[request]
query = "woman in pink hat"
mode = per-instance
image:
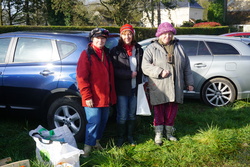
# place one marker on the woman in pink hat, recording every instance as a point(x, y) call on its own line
point(169, 73)
point(127, 58)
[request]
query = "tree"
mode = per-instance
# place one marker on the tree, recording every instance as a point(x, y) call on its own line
point(28, 12)
point(74, 11)
point(34, 12)
point(216, 11)
point(81, 16)
point(1, 13)
point(54, 18)
point(12, 11)
point(121, 11)
point(66, 7)
point(225, 11)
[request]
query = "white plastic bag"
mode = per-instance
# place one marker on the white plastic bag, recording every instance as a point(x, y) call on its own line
point(62, 134)
point(56, 147)
point(57, 153)
point(142, 102)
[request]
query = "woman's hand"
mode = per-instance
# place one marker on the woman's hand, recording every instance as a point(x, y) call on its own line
point(134, 74)
point(89, 103)
point(165, 73)
point(190, 88)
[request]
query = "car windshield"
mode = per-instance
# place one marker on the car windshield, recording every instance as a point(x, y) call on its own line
point(112, 42)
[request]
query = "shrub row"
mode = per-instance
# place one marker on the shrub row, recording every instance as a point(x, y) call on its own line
point(141, 32)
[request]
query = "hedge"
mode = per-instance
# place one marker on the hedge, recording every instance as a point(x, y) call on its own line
point(141, 32)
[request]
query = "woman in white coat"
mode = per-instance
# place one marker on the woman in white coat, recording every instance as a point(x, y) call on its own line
point(169, 72)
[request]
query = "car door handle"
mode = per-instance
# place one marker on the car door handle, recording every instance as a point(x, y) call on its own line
point(199, 65)
point(46, 72)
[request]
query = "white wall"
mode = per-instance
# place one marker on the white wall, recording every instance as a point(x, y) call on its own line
point(177, 16)
point(245, 27)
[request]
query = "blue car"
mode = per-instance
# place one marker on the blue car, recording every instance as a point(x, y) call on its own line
point(38, 72)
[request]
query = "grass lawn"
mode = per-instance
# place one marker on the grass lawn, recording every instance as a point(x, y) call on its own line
point(206, 137)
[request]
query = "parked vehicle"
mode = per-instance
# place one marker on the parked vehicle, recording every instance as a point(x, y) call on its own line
point(237, 34)
point(220, 67)
point(38, 72)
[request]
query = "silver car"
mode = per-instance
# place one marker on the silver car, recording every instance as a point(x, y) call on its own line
point(220, 65)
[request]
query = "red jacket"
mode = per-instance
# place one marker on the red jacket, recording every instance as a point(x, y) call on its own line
point(95, 80)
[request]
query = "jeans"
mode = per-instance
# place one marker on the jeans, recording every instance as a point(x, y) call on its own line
point(96, 122)
point(126, 108)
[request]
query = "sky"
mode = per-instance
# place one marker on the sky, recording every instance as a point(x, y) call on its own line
point(91, 1)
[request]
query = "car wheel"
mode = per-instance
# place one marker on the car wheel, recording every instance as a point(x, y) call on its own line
point(218, 92)
point(68, 111)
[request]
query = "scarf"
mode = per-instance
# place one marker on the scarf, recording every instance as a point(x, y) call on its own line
point(100, 53)
point(128, 48)
point(170, 51)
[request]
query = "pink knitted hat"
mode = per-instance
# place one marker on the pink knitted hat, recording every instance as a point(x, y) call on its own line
point(165, 27)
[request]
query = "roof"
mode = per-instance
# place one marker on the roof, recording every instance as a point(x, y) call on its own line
point(189, 4)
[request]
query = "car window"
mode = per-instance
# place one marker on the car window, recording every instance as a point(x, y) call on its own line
point(221, 48)
point(65, 48)
point(193, 48)
point(246, 36)
point(4, 48)
point(112, 42)
point(33, 50)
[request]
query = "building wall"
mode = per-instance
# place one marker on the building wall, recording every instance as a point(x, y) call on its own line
point(177, 16)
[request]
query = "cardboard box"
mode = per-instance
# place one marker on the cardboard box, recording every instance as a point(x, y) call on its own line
point(23, 163)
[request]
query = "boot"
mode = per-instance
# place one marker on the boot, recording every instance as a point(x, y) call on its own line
point(98, 146)
point(158, 134)
point(87, 150)
point(169, 133)
point(131, 125)
point(121, 130)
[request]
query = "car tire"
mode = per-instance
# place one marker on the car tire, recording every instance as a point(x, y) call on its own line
point(218, 92)
point(68, 110)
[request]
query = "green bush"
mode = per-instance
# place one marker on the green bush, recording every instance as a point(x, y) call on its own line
point(187, 24)
point(141, 32)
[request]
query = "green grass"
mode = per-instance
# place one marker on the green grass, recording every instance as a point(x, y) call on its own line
point(207, 137)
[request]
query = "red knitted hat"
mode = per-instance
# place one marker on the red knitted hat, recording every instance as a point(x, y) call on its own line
point(127, 27)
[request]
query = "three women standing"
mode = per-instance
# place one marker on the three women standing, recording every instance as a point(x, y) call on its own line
point(164, 62)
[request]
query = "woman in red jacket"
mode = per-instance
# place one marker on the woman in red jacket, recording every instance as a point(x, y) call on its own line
point(95, 78)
